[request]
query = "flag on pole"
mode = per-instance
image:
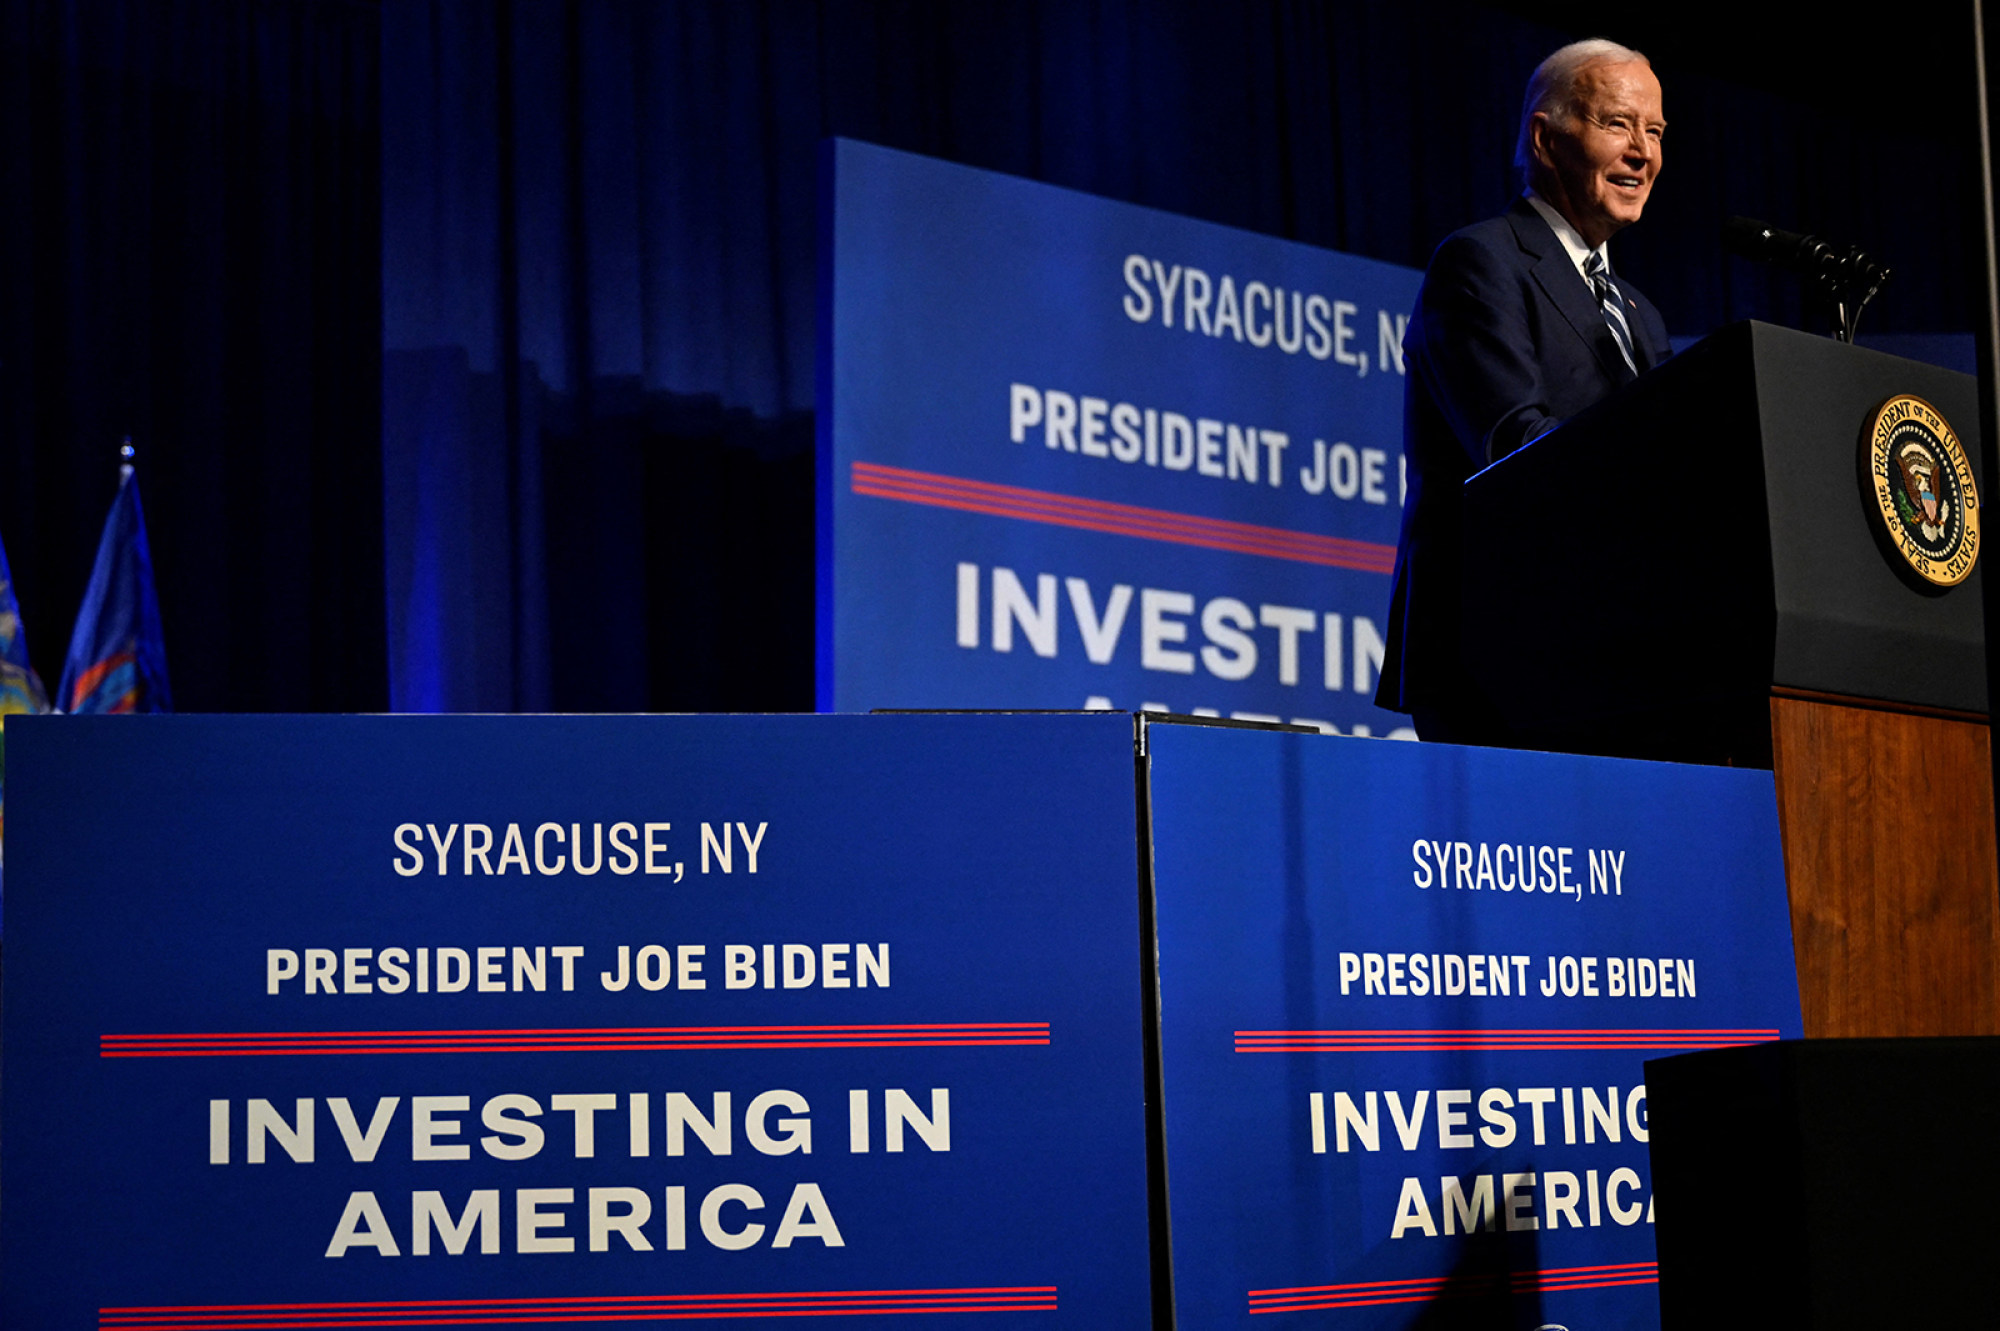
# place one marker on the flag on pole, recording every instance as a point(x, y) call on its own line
point(20, 688)
point(117, 656)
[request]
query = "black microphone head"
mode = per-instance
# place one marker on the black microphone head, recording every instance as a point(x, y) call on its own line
point(1748, 237)
point(1760, 241)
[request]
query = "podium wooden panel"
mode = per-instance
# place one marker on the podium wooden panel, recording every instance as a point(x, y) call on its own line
point(1887, 821)
point(1687, 572)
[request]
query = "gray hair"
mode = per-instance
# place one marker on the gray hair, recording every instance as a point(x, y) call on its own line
point(1552, 87)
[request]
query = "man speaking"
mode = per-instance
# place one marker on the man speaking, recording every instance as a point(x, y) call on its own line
point(1521, 324)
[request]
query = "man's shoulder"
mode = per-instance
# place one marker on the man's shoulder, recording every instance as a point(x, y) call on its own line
point(1485, 250)
point(1504, 240)
point(1493, 229)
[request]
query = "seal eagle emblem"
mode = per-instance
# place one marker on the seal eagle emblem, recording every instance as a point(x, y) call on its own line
point(1922, 491)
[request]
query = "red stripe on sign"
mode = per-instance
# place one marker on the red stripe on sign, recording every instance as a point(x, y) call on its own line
point(1587, 1277)
point(1151, 524)
point(1375, 1293)
point(1599, 1284)
point(241, 1044)
point(609, 1308)
point(1360, 1041)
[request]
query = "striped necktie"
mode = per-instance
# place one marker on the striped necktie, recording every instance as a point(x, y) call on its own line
point(1612, 302)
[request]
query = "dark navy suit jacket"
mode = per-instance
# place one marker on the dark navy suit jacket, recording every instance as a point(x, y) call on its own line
point(1506, 343)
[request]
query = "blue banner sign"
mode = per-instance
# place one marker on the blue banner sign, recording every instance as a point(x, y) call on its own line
point(469, 1021)
point(1077, 453)
point(1406, 994)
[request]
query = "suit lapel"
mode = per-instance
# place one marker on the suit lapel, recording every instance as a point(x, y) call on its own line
point(1568, 292)
point(1651, 353)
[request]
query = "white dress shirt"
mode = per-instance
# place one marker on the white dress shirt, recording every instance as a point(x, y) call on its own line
point(1571, 238)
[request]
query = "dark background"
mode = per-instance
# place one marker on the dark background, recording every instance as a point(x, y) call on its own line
point(468, 347)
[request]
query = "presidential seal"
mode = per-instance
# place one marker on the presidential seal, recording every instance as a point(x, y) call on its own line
point(1922, 490)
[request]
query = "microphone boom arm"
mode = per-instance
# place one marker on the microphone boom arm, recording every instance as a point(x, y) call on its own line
point(1847, 278)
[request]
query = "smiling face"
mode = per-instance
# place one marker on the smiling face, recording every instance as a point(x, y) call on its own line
point(1596, 164)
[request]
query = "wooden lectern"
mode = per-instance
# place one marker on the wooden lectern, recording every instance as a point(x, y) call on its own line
point(1692, 571)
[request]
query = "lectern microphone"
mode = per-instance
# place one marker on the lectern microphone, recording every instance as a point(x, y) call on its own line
point(1808, 256)
point(1847, 277)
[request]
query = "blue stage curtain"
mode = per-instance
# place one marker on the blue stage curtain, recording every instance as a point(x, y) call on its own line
point(599, 238)
point(189, 254)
